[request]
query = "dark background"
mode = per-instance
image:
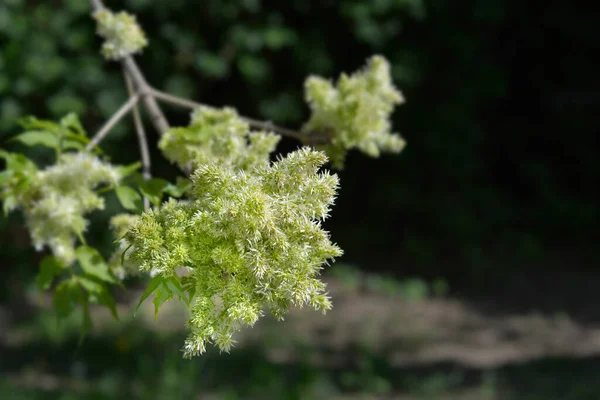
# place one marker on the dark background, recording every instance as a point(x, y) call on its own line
point(497, 190)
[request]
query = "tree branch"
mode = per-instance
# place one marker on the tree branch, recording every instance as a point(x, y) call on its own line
point(149, 95)
point(142, 139)
point(265, 125)
point(125, 108)
point(143, 88)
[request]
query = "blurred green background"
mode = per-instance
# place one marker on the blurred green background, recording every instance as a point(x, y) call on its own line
point(495, 196)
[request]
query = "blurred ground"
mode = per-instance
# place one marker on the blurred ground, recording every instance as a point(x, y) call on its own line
point(387, 339)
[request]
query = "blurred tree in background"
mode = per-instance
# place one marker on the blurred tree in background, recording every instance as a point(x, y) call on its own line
point(499, 173)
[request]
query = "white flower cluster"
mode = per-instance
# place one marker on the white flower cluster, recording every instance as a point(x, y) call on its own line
point(218, 135)
point(122, 33)
point(355, 113)
point(56, 199)
point(250, 240)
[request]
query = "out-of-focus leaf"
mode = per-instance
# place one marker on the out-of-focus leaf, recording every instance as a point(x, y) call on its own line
point(50, 267)
point(212, 65)
point(31, 122)
point(87, 324)
point(255, 69)
point(177, 190)
point(71, 122)
point(93, 264)
point(127, 170)
point(129, 198)
point(66, 296)
point(106, 299)
point(152, 188)
point(99, 293)
point(18, 163)
point(38, 138)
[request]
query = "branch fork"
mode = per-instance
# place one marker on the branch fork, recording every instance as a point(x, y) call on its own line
point(140, 91)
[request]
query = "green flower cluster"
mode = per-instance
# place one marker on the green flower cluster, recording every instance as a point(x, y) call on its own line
point(355, 113)
point(54, 200)
point(217, 135)
point(247, 240)
point(123, 35)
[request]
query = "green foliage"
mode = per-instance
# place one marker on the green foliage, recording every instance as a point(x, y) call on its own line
point(245, 240)
point(356, 112)
point(56, 199)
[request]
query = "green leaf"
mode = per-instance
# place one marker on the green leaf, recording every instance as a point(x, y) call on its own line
point(189, 285)
point(178, 190)
point(123, 254)
point(127, 170)
point(50, 267)
point(152, 188)
point(174, 286)
point(18, 163)
point(163, 294)
point(93, 264)
point(73, 141)
point(31, 122)
point(87, 320)
point(99, 293)
point(154, 283)
point(91, 284)
point(129, 198)
point(66, 296)
point(71, 122)
point(106, 299)
point(191, 294)
point(38, 138)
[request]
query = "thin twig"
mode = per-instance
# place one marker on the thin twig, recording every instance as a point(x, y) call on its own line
point(156, 115)
point(142, 139)
point(145, 90)
point(265, 125)
point(125, 108)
